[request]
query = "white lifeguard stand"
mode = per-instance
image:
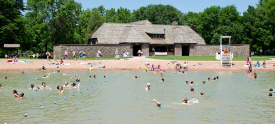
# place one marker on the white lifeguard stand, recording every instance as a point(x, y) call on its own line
point(226, 56)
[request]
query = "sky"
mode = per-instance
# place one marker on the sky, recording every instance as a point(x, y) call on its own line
point(183, 5)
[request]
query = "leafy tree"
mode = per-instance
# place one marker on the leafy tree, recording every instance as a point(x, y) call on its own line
point(95, 22)
point(12, 22)
point(270, 8)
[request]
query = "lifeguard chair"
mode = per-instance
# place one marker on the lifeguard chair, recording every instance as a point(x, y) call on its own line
point(226, 52)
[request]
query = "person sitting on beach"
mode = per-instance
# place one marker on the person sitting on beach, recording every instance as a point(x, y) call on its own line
point(61, 62)
point(14, 92)
point(271, 90)
point(185, 101)
point(192, 90)
point(264, 64)
point(202, 93)
point(147, 88)
point(186, 82)
point(255, 76)
point(43, 68)
point(158, 104)
point(58, 69)
point(152, 68)
point(203, 82)
point(5, 77)
point(258, 64)
point(185, 65)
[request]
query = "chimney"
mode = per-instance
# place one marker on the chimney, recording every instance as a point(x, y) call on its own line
point(175, 23)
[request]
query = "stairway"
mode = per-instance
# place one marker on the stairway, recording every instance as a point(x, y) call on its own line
point(226, 60)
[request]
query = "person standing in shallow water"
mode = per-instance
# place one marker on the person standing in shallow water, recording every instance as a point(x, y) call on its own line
point(147, 88)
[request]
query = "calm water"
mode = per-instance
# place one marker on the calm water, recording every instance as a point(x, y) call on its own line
point(234, 98)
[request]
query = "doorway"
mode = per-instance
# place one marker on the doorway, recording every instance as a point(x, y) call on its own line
point(185, 50)
point(135, 49)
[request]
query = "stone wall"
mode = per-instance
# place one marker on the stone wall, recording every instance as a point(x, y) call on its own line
point(91, 50)
point(145, 49)
point(210, 50)
point(178, 49)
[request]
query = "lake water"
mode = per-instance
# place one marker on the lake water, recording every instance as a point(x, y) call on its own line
point(234, 98)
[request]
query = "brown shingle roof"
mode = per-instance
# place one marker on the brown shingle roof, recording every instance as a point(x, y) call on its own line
point(135, 32)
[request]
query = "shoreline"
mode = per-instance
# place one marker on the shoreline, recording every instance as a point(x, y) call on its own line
point(131, 64)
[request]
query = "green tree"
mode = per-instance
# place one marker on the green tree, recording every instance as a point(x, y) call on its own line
point(270, 9)
point(95, 22)
point(12, 22)
point(110, 15)
point(157, 14)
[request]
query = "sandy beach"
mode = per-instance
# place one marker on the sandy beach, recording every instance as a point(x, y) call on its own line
point(130, 64)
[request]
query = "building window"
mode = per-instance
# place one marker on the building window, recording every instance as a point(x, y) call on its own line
point(159, 36)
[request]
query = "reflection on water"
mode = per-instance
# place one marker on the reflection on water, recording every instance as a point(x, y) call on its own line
point(234, 98)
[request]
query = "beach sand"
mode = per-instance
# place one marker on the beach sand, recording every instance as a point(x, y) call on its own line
point(131, 64)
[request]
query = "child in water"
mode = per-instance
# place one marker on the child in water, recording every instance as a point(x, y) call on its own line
point(158, 104)
point(185, 101)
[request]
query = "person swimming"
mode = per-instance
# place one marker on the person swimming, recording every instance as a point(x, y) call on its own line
point(44, 76)
point(73, 85)
point(271, 89)
point(75, 75)
point(209, 79)
point(44, 85)
point(270, 94)
point(60, 88)
point(192, 83)
point(192, 90)
point(66, 84)
point(58, 69)
point(158, 104)
point(5, 77)
point(1, 86)
point(23, 72)
point(32, 87)
point(104, 76)
point(94, 76)
point(20, 95)
point(185, 101)
point(134, 77)
point(202, 93)
point(78, 80)
point(186, 82)
point(255, 76)
point(217, 78)
point(203, 82)
point(14, 92)
point(147, 88)
point(162, 79)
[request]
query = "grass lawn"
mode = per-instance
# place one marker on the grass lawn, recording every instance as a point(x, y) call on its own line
point(209, 58)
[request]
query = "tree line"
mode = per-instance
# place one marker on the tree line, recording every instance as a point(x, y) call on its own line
point(50, 22)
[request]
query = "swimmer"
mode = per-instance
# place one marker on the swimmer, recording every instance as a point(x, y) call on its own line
point(192, 90)
point(20, 95)
point(104, 76)
point(160, 74)
point(162, 79)
point(78, 80)
point(60, 88)
point(5, 77)
point(271, 89)
point(46, 76)
point(209, 79)
point(185, 101)
point(44, 85)
point(66, 84)
point(158, 104)
point(73, 85)
point(186, 82)
point(75, 75)
point(14, 92)
point(32, 87)
point(94, 76)
point(64, 74)
point(202, 93)
point(203, 82)
point(192, 83)
point(270, 94)
point(147, 88)
point(255, 76)
point(1, 86)
point(134, 77)
point(90, 76)
point(183, 72)
point(217, 78)
point(23, 72)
